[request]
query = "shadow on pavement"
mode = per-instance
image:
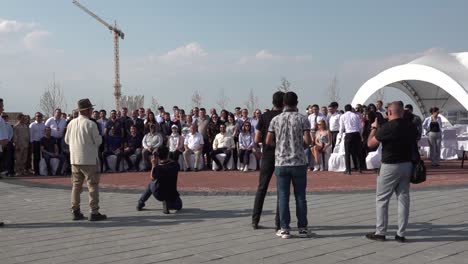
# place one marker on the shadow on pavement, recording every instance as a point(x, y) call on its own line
point(186, 215)
point(421, 231)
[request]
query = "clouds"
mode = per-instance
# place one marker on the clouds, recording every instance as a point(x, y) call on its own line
point(17, 37)
point(35, 40)
point(12, 26)
point(264, 55)
point(190, 51)
point(173, 75)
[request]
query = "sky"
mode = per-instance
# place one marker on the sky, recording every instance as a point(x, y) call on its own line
point(173, 48)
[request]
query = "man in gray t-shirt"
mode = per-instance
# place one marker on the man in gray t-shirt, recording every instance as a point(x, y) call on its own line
point(290, 130)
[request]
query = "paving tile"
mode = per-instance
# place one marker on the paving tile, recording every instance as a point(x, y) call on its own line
point(215, 229)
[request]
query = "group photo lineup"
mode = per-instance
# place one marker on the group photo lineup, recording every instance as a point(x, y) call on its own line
point(214, 132)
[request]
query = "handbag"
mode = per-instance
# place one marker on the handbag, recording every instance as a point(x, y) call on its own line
point(418, 174)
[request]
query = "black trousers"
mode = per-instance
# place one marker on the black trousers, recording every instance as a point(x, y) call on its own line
point(206, 152)
point(100, 155)
point(353, 148)
point(219, 151)
point(9, 158)
point(334, 134)
point(36, 156)
point(174, 155)
point(267, 169)
point(130, 152)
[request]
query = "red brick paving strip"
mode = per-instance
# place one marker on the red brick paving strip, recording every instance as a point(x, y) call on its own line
point(449, 174)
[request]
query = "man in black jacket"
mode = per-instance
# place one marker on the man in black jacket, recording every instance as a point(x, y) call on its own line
point(268, 159)
point(164, 183)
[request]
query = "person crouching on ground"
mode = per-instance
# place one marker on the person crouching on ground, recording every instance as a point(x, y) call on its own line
point(163, 185)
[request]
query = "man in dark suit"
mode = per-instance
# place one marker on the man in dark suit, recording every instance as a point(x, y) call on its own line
point(166, 125)
point(137, 122)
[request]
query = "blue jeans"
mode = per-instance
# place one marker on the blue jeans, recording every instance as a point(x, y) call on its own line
point(298, 176)
point(151, 190)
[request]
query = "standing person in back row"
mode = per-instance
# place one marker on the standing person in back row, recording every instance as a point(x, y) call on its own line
point(3, 132)
point(57, 127)
point(350, 124)
point(83, 138)
point(289, 131)
point(433, 127)
point(267, 165)
point(398, 138)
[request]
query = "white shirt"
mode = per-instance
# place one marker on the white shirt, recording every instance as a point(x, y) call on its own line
point(3, 129)
point(427, 123)
point(10, 131)
point(36, 131)
point(383, 112)
point(152, 141)
point(159, 119)
point(246, 140)
point(334, 122)
point(57, 126)
point(175, 141)
point(350, 123)
point(223, 141)
point(314, 121)
point(194, 141)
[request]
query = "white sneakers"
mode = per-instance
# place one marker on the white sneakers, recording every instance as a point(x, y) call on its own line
point(283, 233)
point(246, 168)
point(303, 233)
point(316, 168)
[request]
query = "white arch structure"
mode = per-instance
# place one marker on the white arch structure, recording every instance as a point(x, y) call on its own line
point(434, 80)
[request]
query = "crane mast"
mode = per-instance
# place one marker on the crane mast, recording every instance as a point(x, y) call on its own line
point(117, 33)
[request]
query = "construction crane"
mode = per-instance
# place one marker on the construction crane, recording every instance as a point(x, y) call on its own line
point(117, 34)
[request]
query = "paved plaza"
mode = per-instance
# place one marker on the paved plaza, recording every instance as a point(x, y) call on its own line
point(216, 229)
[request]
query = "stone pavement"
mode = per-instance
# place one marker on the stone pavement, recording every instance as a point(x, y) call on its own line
point(236, 182)
point(215, 229)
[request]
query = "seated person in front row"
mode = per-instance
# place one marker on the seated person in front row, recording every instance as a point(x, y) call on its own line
point(176, 144)
point(193, 144)
point(163, 185)
point(223, 143)
point(50, 150)
point(151, 142)
point(133, 146)
point(113, 146)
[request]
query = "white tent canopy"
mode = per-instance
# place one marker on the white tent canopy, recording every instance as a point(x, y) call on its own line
point(434, 80)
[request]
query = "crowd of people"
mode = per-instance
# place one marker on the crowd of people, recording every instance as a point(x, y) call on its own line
point(281, 137)
point(141, 132)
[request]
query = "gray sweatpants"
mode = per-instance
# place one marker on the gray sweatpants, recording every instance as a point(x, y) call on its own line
point(393, 178)
point(435, 141)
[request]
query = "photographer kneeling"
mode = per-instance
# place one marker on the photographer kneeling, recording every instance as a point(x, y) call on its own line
point(164, 182)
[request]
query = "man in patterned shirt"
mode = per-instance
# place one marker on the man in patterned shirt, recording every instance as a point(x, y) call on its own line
point(290, 130)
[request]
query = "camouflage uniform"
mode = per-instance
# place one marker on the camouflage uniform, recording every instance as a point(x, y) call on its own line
point(21, 141)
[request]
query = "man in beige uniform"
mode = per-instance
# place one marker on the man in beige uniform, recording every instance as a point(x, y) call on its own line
point(83, 138)
point(21, 141)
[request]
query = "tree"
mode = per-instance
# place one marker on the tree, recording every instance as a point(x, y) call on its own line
point(196, 99)
point(285, 85)
point(334, 90)
point(252, 102)
point(132, 102)
point(223, 100)
point(154, 104)
point(52, 98)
